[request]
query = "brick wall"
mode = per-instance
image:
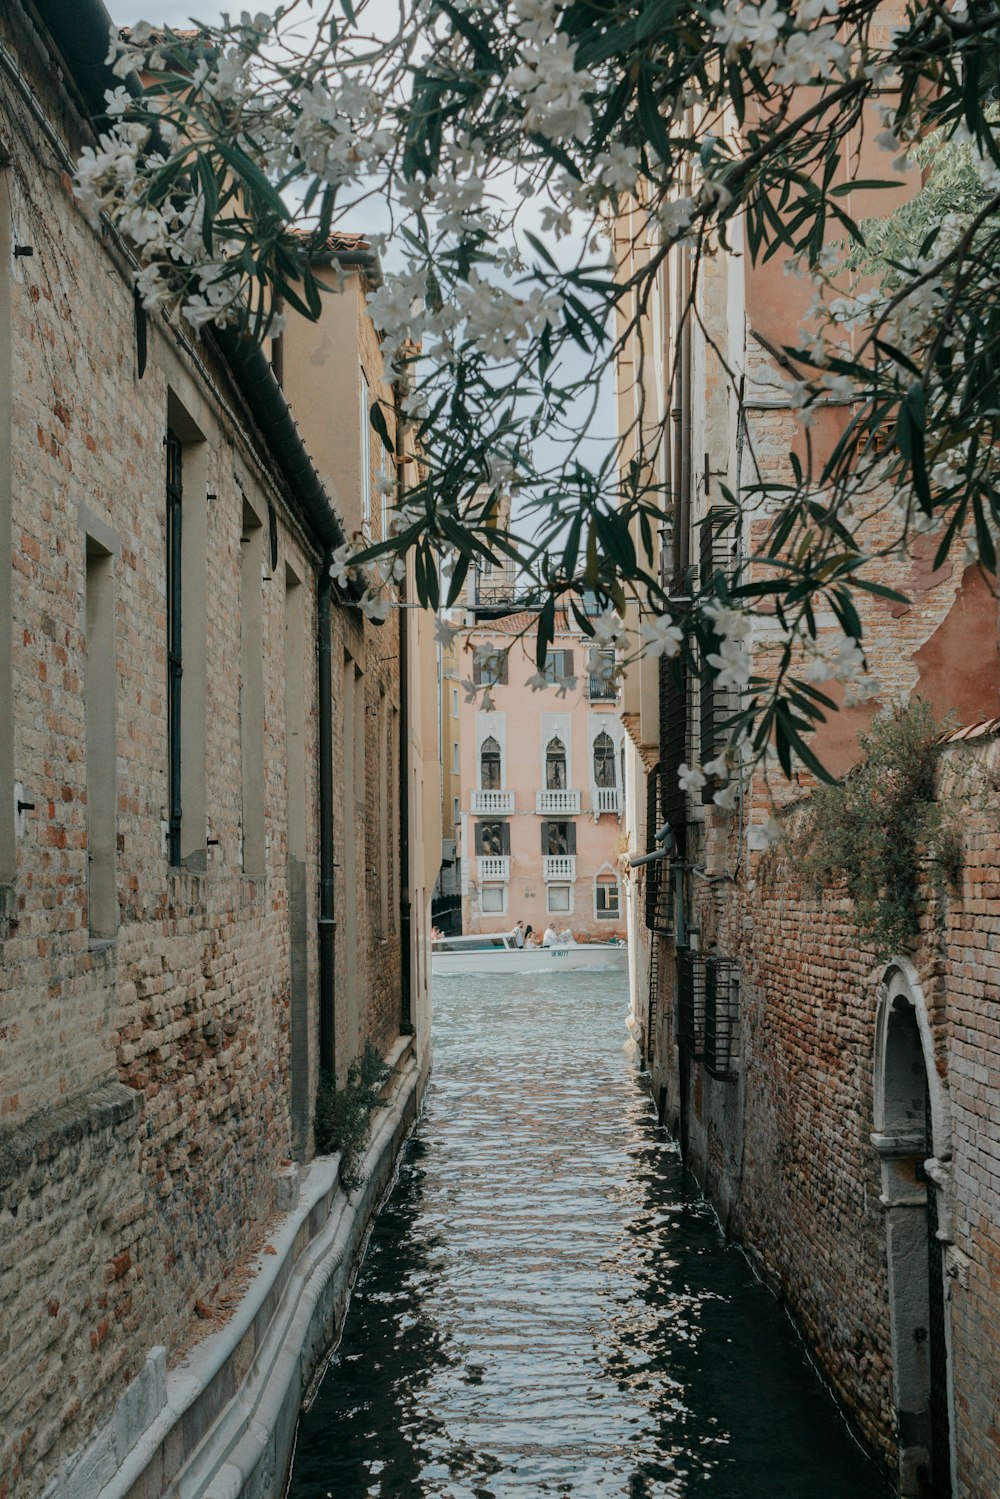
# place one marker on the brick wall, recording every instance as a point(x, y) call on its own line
point(122, 1215)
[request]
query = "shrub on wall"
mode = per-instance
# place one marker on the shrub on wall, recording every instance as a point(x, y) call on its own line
point(872, 829)
point(343, 1115)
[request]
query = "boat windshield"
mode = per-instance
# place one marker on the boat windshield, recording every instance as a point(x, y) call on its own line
point(481, 942)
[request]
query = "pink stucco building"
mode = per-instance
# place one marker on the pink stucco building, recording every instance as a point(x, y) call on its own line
point(541, 786)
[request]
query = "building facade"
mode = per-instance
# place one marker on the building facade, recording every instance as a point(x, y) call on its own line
point(217, 777)
point(837, 1102)
point(541, 770)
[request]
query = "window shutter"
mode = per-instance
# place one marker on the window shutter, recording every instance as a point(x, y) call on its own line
point(477, 673)
point(545, 837)
point(479, 837)
point(571, 838)
point(505, 837)
point(503, 669)
point(567, 663)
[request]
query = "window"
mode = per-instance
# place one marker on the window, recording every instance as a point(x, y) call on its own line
point(386, 489)
point(454, 702)
point(252, 691)
point(558, 838)
point(456, 811)
point(558, 664)
point(492, 838)
point(175, 665)
point(559, 898)
point(491, 670)
point(489, 765)
point(604, 760)
point(601, 687)
point(606, 898)
point(366, 454)
point(555, 765)
point(454, 757)
point(100, 680)
point(493, 900)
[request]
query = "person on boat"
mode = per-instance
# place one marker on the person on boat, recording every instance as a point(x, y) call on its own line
point(518, 934)
point(529, 939)
point(551, 936)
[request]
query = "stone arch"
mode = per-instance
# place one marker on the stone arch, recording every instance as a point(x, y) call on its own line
point(913, 1139)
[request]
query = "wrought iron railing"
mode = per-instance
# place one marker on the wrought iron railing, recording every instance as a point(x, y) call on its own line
point(708, 1011)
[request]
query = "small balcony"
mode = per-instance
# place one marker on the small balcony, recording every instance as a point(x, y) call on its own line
point(497, 802)
point(557, 803)
point(494, 868)
point(605, 799)
point(559, 867)
point(602, 690)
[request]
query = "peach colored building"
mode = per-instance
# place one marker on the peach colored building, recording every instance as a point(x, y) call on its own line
point(541, 785)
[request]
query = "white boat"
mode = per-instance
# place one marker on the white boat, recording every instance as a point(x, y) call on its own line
point(497, 952)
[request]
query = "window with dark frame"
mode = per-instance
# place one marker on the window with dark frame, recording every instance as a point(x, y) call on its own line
point(555, 765)
point(558, 838)
point(558, 664)
point(492, 838)
point(604, 760)
point(606, 898)
point(175, 664)
point(489, 765)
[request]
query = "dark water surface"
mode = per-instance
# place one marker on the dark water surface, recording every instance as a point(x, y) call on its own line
point(547, 1305)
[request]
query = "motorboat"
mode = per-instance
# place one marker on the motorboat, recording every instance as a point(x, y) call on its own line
point(497, 952)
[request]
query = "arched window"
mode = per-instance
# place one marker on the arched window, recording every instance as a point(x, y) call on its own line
point(489, 765)
point(604, 760)
point(555, 765)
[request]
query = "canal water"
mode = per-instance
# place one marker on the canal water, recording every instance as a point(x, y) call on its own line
point(547, 1305)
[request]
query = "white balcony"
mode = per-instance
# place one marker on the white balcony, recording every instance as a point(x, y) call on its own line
point(493, 801)
point(560, 867)
point(605, 799)
point(557, 803)
point(494, 868)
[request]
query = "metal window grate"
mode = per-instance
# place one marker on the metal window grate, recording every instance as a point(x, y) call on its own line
point(658, 889)
point(718, 704)
point(708, 1011)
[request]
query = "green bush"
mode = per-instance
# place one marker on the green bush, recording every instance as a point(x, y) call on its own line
point(871, 828)
point(344, 1115)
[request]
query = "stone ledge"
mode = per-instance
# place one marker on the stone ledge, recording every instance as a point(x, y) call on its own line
point(50, 1131)
point(224, 1421)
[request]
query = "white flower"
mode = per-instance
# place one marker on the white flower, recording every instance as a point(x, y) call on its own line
point(564, 685)
point(727, 796)
point(690, 778)
point(470, 689)
point(732, 663)
point(445, 633)
point(728, 624)
point(535, 19)
point(618, 167)
point(662, 637)
point(808, 11)
point(676, 216)
point(738, 26)
point(340, 564)
point(377, 610)
point(552, 91)
point(609, 629)
point(538, 682)
point(809, 55)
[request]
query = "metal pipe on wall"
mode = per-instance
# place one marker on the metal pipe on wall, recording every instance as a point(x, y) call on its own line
point(326, 923)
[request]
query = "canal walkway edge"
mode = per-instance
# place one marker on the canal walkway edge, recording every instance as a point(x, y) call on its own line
point(221, 1425)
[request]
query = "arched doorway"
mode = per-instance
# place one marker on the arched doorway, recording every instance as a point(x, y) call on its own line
point(913, 1139)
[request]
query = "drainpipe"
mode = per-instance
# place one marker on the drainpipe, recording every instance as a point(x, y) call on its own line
point(326, 924)
point(405, 907)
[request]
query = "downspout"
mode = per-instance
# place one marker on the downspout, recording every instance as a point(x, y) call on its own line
point(326, 923)
point(405, 906)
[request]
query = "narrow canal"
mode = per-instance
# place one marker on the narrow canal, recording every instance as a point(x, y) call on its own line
point(547, 1305)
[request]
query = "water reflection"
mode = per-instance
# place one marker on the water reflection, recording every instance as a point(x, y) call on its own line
point(547, 1306)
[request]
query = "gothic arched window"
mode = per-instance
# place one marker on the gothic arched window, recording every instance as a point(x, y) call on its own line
point(604, 760)
point(489, 765)
point(555, 765)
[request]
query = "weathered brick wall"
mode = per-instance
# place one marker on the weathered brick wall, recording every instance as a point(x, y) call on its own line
point(785, 1148)
point(126, 1225)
